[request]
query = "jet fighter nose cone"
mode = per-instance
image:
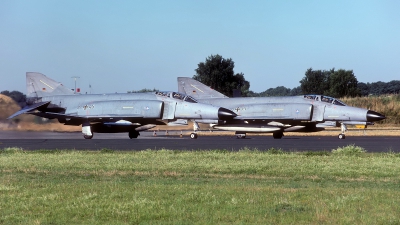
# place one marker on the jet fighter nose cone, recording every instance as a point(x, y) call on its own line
point(374, 116)
point(225, 114)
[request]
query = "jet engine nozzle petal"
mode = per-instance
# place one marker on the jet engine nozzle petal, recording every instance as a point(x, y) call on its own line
point(374, 116)
point(225, 114)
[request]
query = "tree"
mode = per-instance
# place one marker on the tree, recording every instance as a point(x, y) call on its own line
point(16, 96)
point(343, 83)
point(144, 90)
point(364, 89)
point(315, 81)
point(393, 87)
point(337, 84)
point(278, 91)
point(253, 94)
point(217, 73)
point(296, 91)
point(377, 88)
point(241, 83)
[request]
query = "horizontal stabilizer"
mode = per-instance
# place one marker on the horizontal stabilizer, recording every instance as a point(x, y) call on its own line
point(40, 105)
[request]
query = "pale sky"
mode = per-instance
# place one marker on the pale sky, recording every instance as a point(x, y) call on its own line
point(118, 46)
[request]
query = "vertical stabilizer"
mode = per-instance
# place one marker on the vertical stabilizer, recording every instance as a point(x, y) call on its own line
point(38, 85)
point(196, 89)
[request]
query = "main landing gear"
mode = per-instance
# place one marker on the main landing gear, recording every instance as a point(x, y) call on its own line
point(277, 135)
point(88, 136)
point(133, 134)
point(87, 131)
point(240, 135)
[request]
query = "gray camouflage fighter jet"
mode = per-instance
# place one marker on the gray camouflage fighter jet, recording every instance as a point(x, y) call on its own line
point(307, 113)
point(111, 113)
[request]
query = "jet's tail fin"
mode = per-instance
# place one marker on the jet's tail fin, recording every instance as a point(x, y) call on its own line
point(39, 85)
point(196, 89)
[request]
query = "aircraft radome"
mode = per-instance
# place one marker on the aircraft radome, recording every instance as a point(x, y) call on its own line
point(111, 113)
point(306, 113)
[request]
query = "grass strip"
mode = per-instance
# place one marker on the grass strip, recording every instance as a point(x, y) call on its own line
point(345, 186)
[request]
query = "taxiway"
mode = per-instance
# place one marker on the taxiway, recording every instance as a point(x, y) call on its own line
point(120, 141)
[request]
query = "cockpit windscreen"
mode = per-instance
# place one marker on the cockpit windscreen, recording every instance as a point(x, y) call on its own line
point(326, 99)
point(176, 95)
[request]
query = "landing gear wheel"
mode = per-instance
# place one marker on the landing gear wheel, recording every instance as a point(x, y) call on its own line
point(342, 136)
point(277, 135)
point(88, 136)
point(133, 134)
point(87, 130)
point(193, 136)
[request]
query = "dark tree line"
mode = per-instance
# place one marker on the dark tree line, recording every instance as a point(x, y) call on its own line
point(278, 91)
point(218, 73)
point(17, 96)
point(379, 88)
point(144, 90)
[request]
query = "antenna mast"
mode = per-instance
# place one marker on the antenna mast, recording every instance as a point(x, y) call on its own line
point(75, 77)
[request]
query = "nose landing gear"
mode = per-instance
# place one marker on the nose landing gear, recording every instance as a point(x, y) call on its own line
point(342, 135)
point(196, 127)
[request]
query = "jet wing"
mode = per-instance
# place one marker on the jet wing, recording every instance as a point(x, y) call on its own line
point(51, 115)
point(72, 119)
point(123, 116)
point(30, 108)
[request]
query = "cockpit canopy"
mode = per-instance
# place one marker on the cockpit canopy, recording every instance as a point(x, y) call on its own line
point(176, 95)
point(324, 98)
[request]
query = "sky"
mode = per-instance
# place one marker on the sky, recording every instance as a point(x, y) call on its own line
point(120, 46)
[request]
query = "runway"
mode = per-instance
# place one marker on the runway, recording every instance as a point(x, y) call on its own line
point(61, 141)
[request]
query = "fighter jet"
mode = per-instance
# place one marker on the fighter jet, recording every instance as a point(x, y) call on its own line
point(111, 113)
point(306, 113)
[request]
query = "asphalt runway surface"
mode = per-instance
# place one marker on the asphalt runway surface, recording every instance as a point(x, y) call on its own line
point(120, 141)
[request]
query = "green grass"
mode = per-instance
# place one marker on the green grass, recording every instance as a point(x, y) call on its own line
point(200, 187)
